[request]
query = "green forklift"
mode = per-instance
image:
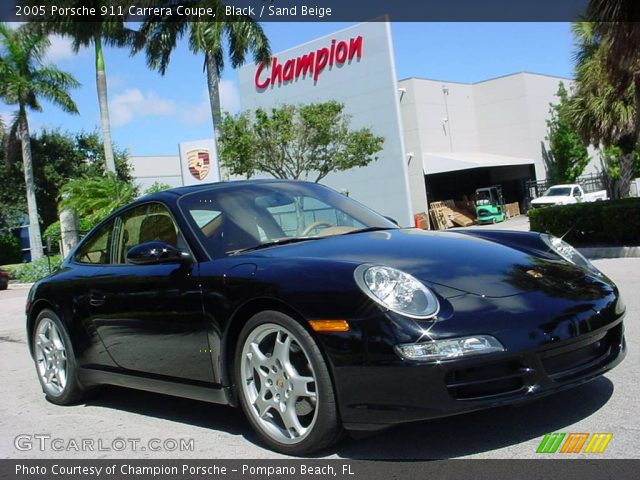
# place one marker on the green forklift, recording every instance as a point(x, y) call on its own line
point(489, 205)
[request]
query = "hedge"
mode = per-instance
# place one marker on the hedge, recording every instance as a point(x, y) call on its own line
point(34, 271)
point(10, 251)
point(611, 222)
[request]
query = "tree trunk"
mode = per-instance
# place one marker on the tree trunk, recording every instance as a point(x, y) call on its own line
point(298, 202)
point(626, 174)
point(68, 230)
point(636, 98)
point(101, 86)
point(35, 239)
point(213, 84)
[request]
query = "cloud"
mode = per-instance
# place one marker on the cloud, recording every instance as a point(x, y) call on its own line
point(229, 96)
point(196, 114)
point(133, 103)
point(115, 81)
point(60, 49)
point(201, 112)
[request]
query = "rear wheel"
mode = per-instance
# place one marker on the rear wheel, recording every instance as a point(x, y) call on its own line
point(284, 385)
point(55, 361)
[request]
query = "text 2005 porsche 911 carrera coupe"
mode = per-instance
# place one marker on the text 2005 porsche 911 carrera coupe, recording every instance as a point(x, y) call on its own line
point(317, 315)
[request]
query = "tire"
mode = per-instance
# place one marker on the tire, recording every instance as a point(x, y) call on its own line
point(55, 360)
point(286, 392)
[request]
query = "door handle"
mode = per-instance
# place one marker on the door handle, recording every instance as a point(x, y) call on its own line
point(96, 298)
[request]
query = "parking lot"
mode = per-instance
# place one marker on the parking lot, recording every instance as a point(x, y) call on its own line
point(156, 423)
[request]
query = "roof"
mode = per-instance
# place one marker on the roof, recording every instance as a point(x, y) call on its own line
point(187, 189)
point(523, 72)
point(441, 162)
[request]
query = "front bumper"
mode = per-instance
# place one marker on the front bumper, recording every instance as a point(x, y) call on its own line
point(374, 397)
point(485, 220)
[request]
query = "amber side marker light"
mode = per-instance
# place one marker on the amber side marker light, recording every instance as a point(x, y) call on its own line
point(329, 325)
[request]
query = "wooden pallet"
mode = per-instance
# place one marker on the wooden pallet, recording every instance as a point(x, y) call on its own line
point(445, 214)
point(512, 209)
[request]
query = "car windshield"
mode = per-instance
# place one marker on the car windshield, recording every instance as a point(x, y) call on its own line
point(229, 218)
point(557, 192)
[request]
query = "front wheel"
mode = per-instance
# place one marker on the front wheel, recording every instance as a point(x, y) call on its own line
point(55, 361)
point(284, 385)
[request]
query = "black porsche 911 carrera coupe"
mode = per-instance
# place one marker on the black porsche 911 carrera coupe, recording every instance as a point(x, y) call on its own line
point(315, 314)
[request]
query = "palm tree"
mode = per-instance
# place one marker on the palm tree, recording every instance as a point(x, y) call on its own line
point(102, 29)
point(240, 32)
point(604, 114)
point(96, 197)
point(23, 80)
point(615, 22)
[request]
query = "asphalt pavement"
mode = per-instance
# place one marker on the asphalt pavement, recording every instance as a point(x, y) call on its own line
point(121, 423)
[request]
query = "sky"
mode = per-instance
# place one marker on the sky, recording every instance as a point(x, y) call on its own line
point(151, 114)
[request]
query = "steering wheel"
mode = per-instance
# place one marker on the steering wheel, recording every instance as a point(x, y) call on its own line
point(319, 223)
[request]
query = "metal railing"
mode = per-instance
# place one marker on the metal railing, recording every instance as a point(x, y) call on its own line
point(589, 183)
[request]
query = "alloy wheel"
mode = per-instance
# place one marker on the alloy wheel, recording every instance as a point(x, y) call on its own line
point(279, 383)
point(51, 357)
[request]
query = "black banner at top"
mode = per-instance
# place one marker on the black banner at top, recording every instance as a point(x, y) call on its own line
point(300, 10)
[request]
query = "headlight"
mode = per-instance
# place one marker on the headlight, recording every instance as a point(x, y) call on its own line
point(620, 306)
point(450, 348)
point(569, 253)
point(397, 291)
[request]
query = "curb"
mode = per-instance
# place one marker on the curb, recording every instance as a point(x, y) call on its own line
point(19, 285)
point(594, 253)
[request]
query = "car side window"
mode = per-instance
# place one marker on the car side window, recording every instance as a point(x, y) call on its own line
point(97, 249)
point(146, 223)
point(576, 192)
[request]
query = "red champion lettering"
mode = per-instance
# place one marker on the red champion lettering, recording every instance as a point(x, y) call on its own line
point(311, 64)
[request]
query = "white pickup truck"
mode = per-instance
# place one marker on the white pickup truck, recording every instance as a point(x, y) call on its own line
point(566, 195)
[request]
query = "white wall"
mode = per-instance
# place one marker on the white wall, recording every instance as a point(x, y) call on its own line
point(159, 168)
point(368, 88)
point(502, 116)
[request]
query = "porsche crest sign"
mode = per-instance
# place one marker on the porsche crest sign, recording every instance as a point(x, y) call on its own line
point(199, 162)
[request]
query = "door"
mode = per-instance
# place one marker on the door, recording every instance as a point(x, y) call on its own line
point(150, 317)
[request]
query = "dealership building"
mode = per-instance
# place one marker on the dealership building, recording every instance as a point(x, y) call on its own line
point(442, 140)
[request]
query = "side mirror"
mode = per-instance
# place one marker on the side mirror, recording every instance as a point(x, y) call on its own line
point(154, 253)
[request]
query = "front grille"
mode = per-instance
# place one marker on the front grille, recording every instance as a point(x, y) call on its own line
point(541, 205)
point(561, 364)
point(547, 368)
point(486, 380)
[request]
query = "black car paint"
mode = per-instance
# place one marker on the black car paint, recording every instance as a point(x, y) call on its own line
point(172, 328)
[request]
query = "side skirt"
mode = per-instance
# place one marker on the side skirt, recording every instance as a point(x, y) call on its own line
point(212, 393)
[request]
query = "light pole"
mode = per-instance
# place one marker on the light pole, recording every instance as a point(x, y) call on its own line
point(445, 94)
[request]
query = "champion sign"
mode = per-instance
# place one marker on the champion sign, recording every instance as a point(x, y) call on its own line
point(312, 64)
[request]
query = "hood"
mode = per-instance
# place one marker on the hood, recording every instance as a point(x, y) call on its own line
point(550, 199)
point(456, 260)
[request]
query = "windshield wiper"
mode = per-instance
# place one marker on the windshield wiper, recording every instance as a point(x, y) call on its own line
point(273, 243)
point(286, 240)
point(369, 229)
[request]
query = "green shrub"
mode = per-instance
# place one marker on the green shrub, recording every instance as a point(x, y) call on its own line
point(53, 230)
point(157, 187)
point(10, 251)
point(613, 222)
point(34, 271)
